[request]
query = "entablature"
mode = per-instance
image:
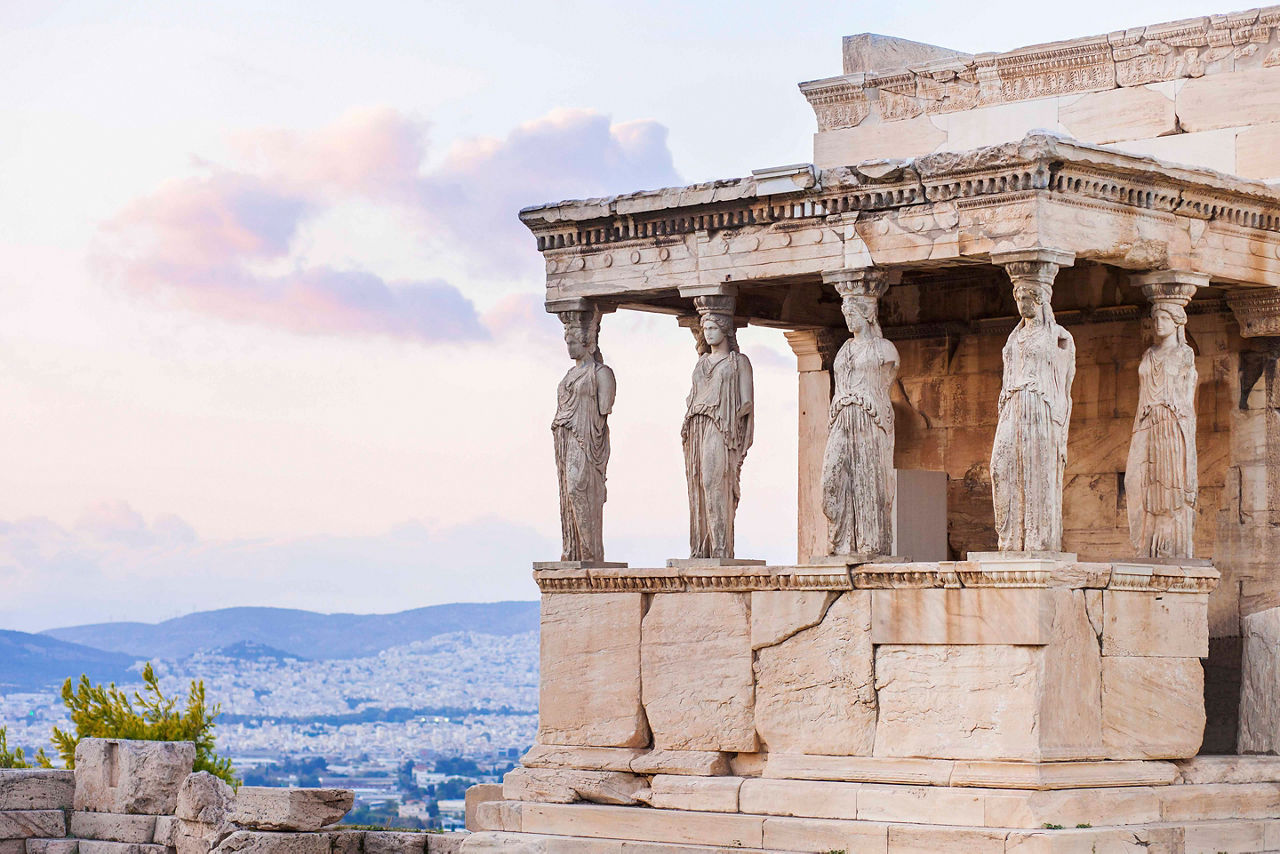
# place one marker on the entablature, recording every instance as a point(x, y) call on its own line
point(940, 210)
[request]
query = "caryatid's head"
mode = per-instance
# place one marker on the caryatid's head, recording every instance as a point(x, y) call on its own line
point(1033, 300)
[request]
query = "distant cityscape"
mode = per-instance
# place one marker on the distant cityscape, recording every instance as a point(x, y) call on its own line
point(408, 728)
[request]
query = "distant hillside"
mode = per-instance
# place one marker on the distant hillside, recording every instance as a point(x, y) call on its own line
point(31, 662)
point(253, 651)
point(305, 634)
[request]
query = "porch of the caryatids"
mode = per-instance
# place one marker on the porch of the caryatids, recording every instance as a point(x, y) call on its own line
point(1028, 457)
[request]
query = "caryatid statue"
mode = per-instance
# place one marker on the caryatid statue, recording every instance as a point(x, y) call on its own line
point(857, 468)
point(719, 425)
point(581, 430)
point(1030, 450)
point(1161, 477)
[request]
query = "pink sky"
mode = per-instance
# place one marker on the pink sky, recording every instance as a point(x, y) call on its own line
point(271, 332)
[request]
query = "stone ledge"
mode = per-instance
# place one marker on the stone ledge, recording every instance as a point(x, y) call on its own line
point(759, 798)
point(1026, 572)
point(967, 773)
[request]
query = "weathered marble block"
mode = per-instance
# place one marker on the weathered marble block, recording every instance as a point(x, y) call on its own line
point(110, 827)
point(270, 808)
point(1152, 707)
point(696, 672)
point(590, 660)
point(203, 798)
point(998, 700)
point(815, 690)
point(36, 789)
point(131, 777)
point(260, 842)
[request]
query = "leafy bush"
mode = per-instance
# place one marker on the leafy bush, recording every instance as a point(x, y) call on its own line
point(16, 758)
point(98, 712)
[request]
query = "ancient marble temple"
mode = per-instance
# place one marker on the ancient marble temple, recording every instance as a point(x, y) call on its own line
point(1033, 301)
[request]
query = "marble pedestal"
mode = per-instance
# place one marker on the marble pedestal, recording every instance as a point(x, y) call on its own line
point(879, 707)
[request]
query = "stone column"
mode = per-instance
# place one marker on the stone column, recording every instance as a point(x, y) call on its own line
point(815, 350)
point(1028, 459)
point(1248, 543)
point(1161, 508)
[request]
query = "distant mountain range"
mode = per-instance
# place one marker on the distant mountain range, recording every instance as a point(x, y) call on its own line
point(302, 634)
point(30, 662)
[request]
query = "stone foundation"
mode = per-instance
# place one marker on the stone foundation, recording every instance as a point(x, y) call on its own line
point(997, 704)
point(141, 797)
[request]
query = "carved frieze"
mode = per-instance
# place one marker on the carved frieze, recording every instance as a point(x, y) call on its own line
point(1136, 57)
point(1257, 311)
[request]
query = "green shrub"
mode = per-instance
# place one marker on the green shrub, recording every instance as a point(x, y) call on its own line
point(98, 712)
point(15, 758)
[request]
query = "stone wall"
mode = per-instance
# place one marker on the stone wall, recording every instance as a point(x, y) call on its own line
point(1204, 91)
point(141, 797)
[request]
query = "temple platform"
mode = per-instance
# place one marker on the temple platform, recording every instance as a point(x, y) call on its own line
point(1011, 703)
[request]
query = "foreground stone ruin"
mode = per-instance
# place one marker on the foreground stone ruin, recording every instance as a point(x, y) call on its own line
point(1035, 605)
point(141, 797)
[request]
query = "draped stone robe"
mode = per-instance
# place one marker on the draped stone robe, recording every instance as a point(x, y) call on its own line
point(715, 444)
point(582, 454)
point(857, 468)
point(1161, 477)
point(1030, 450)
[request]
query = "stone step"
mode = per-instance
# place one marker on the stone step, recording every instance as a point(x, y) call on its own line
point(730, 808)
point(29, 824)
point(821, 836)
point(96, 846)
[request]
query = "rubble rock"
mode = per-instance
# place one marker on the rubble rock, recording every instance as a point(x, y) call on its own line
point(131, 777)
point(36, 789)
point(266, 808)
point(204, 798)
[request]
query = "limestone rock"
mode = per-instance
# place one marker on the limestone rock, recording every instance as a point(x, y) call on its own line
point(204, 798)
point(267, 808)
point(498, 815)
point(96, 846)
point(499, 842)
point(13, 846)
point(25, 824)
point(696, 672)
point(1260, 683)
point(193, 837)
point(1173, 626)
point(590, 758)
point(1152, 708)
point(166, 832)
point(564, 786)
point(53, 846)
point(695, 763)
point(258, 842)
point(131, 777)
point(111, 827)
point(704, 794)
point(477, 795)
point(392, 842)
point(778, 614)
point(445, 843)
point(815, 690)
point(346, 841)
point(36, 789)
point(590, 682)
point(800, 798)
point(957, 702)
